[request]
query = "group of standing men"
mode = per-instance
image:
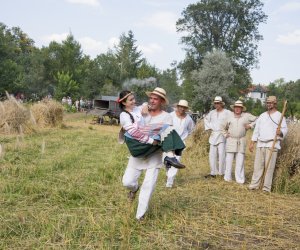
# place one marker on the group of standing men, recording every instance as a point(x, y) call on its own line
point(228, 141)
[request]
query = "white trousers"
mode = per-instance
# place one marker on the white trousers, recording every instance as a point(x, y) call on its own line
point(217, 152)
point(130, 180)
point(239, 167)
point(261, 158)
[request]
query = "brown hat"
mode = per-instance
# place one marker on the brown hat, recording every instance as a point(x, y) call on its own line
point(272, 99)
point(239, 104)
point(160, 92)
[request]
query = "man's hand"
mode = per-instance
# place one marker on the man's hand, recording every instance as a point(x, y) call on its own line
point(247, 126)
point(251, 146)
point(227, 135)
point(278, 132)
point(155, 142)
point(145, 110)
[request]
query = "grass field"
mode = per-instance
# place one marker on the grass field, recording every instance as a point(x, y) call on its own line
point(61, 189)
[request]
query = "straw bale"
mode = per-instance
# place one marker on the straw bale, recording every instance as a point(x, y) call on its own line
point(48, 113)
point(14, 117)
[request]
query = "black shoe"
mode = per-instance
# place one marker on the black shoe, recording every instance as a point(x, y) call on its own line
point(173, 162)
point(209, 176)
point(167, 164)
point(132, 194)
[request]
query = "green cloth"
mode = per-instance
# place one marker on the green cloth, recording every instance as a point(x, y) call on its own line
point(172, 142)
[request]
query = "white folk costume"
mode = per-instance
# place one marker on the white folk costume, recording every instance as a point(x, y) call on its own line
point(264, 133)
point(151, 164)
point(213, 122)
point(234, 128)
point(184, 127)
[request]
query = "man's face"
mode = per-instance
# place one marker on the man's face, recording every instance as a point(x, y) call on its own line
point(237, 110)
point(155, 102)
point(218, 105)
point(181, 110)
point(270, 105)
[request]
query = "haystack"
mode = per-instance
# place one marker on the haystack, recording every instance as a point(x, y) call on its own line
point(14, 117)
point(48, 113)
point(198, 142)
point(287, 173)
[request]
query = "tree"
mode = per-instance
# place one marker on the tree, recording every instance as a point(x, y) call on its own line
point(64, 57)
point(229, 25)
point(168, 81)
point(214, 78)
point(128, 57)
point(15, 50)
point(66, 86)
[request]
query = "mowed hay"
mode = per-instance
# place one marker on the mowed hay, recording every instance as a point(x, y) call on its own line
point(48, 113)
point(199, 141)
point(287, 173)
point(14, 117)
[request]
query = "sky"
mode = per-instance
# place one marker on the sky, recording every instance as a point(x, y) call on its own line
point(97, 25)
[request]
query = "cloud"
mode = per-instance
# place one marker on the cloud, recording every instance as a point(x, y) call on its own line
point(113, 41)
point(55, 37)
point(162, 20)
point(292, 38)
point(85, 2)
point(288, 7)
point(151, 48)
point(91, 46)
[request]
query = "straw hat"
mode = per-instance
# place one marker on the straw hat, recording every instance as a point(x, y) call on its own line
point(272, 99)
point(160, 92)
point(218, 99)
point(183, 103)
point(238, 104)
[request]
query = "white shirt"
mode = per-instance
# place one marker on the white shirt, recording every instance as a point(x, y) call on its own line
point(155, 159)
point(265, 129)
point(213, 121)
point(183, 126)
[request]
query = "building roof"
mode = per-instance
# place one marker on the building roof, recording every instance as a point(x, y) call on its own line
point(257, 88)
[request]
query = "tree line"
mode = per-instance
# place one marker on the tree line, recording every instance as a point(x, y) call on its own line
point(220, 39)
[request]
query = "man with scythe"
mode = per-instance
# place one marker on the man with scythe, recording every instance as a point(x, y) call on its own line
point(270, 128)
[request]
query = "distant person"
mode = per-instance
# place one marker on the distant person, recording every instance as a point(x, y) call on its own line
point(213, 122)
point(151, 163)
point(266, 129)
point(234, 129)
point(77, 105)
point(64, 100)
point(81, 104)
point(184, 125)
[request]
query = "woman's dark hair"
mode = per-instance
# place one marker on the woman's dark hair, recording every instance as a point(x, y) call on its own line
point(122, 106)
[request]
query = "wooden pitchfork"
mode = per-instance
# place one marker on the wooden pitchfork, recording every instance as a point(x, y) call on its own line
point(262, 180)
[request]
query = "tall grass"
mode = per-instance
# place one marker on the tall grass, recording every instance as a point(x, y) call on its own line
point(61, 189)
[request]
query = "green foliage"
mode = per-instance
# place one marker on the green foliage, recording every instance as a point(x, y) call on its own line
point(255, 108)
point(230, 25)
point(168, 81)
point(128, 57)
point(289, 91)
point(66, 86)
point(15, 48)
point(215, 78)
